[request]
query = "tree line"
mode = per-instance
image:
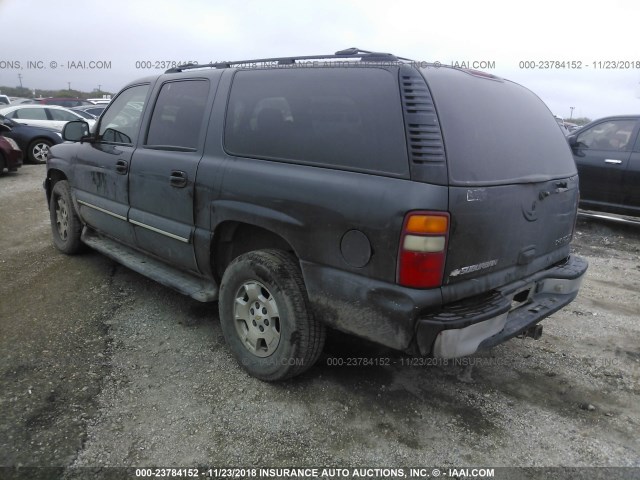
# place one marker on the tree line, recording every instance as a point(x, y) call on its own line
point(24, 92)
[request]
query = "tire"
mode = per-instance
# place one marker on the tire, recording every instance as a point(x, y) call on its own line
point(65, 224)
point(38, 150)
point(265, 316)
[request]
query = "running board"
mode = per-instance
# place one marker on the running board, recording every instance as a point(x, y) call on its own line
point(196, 287)
point(612, 217)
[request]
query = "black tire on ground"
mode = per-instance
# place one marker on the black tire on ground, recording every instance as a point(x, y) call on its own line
point(38, 150)
point(2, 165)
point(265, 316)
point(65, 224)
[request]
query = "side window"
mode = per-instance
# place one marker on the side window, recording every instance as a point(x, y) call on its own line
point(338, 117)
point(61, 115)
point(121, 121)
point(636, 148)
point(177, 115)
point(31, 114)
point(611, 135)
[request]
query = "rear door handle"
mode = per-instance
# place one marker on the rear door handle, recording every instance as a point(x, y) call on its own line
point(615, 162)
point(122, 167)
point(178, 179)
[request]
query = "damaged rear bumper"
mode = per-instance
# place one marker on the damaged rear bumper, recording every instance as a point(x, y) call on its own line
point(478, 323)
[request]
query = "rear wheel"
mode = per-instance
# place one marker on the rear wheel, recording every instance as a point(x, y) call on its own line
point(65, 224)
point(265, 316)
point(38, 150)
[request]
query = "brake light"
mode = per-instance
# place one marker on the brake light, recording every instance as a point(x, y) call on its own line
point(423, 249)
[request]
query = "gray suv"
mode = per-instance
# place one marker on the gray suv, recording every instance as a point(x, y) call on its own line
point(402, 202)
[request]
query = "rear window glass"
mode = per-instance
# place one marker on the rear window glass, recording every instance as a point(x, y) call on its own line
point(496, 132)
point(348, 118)
point(61, 115)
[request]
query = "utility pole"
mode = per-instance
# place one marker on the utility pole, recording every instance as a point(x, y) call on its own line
point(99, 89)
point(20, 78)
point(69, 83)
point(571, 116)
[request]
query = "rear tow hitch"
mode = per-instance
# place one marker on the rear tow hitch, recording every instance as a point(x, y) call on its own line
point(534, 332)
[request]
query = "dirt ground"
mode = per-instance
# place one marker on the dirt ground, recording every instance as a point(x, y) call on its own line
point(102, 367)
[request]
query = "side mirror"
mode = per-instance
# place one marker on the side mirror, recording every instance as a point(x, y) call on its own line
point(4, 128)
point(573, 140)
point(75, 131)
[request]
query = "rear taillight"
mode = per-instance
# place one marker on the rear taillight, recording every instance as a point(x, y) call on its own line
point(423, 249)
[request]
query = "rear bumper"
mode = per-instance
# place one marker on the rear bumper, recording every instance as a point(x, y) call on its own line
point(419, 321)
point(479, 323)
point(13, 160)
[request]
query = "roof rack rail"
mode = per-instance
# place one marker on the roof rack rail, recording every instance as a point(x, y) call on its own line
point(363, 55)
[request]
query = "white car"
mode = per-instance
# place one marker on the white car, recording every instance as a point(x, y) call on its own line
point(100, 101)
point(50, 116)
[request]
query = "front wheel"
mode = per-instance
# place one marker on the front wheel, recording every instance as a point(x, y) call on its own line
point(38, 151)
point(65, 224)
point(265, 316)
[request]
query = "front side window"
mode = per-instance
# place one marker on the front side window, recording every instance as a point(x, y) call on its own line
point(31, 114)
point(349, 118)
point(611, 135)
point(177, 117)
point(121, 121)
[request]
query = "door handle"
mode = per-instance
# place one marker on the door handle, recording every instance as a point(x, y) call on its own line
point(122, 167)
point(178, 179)
point(615, 162)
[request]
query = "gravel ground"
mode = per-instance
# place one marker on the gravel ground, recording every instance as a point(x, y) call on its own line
point(101, 367)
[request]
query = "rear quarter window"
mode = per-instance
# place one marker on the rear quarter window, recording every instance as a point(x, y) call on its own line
point(346, 118)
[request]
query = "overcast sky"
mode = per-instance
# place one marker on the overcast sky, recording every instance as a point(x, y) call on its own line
point(45, 42)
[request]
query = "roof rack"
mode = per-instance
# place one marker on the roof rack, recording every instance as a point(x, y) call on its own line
point(363, 55)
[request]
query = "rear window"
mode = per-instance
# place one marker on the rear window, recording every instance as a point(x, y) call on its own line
point(349, 118)
point(61, 115)
point(496, 131)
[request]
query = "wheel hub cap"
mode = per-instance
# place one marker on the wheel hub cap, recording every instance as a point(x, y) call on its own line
point(257, 319)
point(62, 218)
point(41, 152)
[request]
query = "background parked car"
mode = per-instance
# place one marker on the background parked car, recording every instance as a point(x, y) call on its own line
point(572, 127)
point(64, 102)
point(562, 125)
point(23, 101)
point(607, 154)
point(93, 111)
point(100, 101)
point(33, 141)
point(51, 116)
point(4, 100)
point(10, 153)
